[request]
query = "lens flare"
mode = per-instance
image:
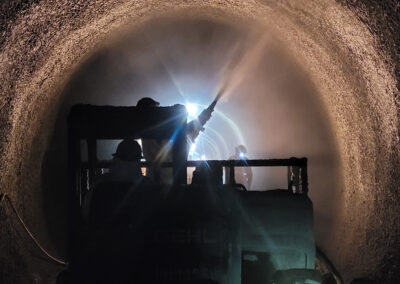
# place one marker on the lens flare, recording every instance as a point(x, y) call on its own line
point(192, 110)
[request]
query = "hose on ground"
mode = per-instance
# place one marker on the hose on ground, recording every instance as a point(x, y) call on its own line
point(56, 260)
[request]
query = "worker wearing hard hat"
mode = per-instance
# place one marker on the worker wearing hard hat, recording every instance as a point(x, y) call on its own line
point(125, 165)
point(157, 152)
point(193, 128)
point(124, 168)
point(243, 175)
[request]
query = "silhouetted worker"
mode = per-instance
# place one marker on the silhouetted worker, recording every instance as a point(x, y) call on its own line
point(243, 175)
point(157, 152)
point(124, 168)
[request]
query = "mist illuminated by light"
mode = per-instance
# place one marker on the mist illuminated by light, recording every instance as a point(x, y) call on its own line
point(211, 143)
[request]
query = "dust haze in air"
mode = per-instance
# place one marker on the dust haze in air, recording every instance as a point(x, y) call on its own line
point(243, 59)
point(268, 104)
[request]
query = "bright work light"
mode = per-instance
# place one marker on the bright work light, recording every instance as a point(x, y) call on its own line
point(191, 110)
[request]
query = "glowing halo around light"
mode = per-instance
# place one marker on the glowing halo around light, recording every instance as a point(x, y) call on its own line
point(215, 143)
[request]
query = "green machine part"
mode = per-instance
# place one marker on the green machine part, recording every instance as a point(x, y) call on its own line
point(276, 233)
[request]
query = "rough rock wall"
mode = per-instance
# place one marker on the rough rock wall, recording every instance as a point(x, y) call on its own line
point(350, 51)
point(383, 20)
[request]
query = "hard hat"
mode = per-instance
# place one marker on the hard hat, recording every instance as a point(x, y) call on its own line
point(147, 102)
point(128, 150)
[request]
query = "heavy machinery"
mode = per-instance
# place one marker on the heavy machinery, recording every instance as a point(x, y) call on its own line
point(204, 232)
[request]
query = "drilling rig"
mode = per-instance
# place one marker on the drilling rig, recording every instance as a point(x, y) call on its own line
point(207, 232)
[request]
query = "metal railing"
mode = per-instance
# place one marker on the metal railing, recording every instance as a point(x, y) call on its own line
point(297, 169)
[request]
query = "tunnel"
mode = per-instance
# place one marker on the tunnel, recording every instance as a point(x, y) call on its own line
point(343, 57)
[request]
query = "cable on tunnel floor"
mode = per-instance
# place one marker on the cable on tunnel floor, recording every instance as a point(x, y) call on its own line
point(321, 256)
point(56, 260)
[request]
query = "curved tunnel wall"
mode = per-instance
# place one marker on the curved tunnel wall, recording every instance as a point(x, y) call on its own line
point(352, 68)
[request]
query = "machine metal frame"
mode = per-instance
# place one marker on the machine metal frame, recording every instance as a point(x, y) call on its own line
point(91, 123)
